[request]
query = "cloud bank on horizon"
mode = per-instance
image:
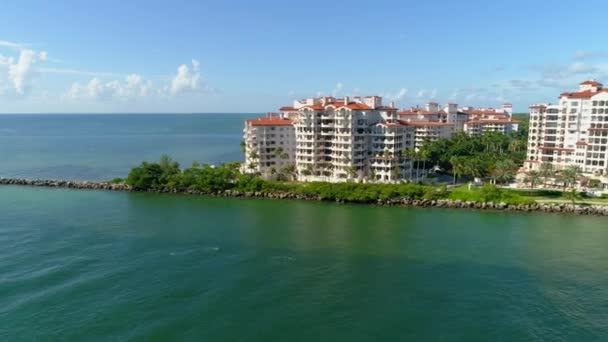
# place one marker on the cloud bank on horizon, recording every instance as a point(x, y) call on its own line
point(20, 70)
point(22, 67)
point(254, 56)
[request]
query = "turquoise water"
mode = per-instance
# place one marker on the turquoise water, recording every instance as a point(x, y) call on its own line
point(86, 265)
point(101, 147)
point(98, 266)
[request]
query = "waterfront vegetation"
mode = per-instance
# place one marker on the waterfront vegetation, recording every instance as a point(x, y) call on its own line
point(492, 156)
point(167, 175)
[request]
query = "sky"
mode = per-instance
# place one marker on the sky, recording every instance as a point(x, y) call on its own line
point(256, 56)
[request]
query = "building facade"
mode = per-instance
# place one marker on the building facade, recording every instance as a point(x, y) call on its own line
point(330, 139)
point(269, 144)
point(356, 139)
point(486, 120)
point(571, 132)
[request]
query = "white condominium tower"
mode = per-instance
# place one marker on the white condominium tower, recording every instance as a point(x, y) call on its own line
point(356, 139)
point(571, 132)
point(331, 139)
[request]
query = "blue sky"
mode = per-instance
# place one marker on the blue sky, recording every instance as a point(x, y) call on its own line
point(255, 56)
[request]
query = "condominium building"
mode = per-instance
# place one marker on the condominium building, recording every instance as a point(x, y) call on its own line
point(571, 132)
point(432, 122)
point(335, 140)
point(269, 144)
point(356, 139)
point(485, 120)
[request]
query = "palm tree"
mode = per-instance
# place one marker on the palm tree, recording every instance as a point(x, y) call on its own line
point(572, 195)
point(395, 173)
point(423, 155)
point(309, 169)
point(410, 153)
point(504, 170)
point(372, 174)
point(474, 167)
point(289, 170)
point(458, 166)
point(532, 177)
point(569, 175)
point(352, 171)
point(546, 171)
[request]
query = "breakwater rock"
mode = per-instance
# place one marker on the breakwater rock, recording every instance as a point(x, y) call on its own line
point(568, 208)
point(49, 183)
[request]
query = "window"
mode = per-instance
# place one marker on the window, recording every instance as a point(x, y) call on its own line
point(574, 103)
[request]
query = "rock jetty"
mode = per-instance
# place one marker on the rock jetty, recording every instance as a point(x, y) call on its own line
point(406, 202)
point(49, 183)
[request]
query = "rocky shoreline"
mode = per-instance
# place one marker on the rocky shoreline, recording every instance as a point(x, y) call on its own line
point(441, 203)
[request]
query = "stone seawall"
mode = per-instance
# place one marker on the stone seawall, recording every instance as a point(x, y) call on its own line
point(49, 183)
point(406, 202)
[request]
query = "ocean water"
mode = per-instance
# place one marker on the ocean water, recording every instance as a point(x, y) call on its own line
point(83, 265)
point(102, 147)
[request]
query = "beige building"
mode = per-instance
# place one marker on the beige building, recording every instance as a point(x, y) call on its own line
point(335, 140)
point(571, 132)
point(269, 144)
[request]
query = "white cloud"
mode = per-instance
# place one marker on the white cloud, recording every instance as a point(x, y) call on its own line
point(581, 68)
point(12, 45)
point(421, 93)
point(19, 71)
point(132, 87)
point(22, 71)
point(398, 96)
point(433, 94)
point(186, 80)
point(79, 72)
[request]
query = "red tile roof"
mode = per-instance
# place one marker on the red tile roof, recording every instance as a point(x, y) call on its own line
point(286, 109)
point(583, 94)
point(485, 112)
point(315, 107)
point(591, 83)
point(416, 112)
point(426, 123)
point(489, 121)
point(357, 106)
point(350, 105)
point(538, 106)
point(581, 143)
point(270, 122)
